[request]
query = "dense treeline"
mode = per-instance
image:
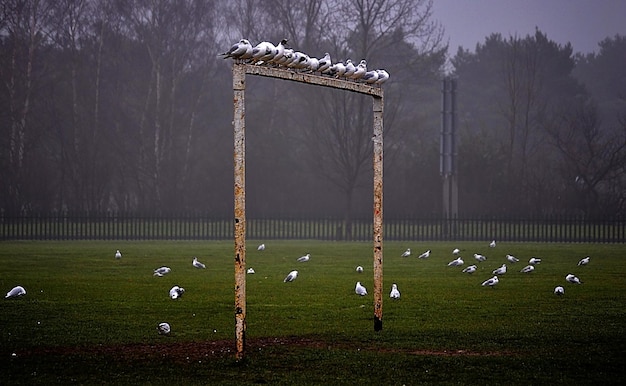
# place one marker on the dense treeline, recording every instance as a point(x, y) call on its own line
point(124, 105)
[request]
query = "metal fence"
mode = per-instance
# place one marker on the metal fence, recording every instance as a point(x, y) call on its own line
point(195, 226)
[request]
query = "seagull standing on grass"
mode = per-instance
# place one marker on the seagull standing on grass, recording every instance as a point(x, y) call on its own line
point(118, 254)
point(480, 258)
point(304, 258)
point(359, 289)
point(491, 282)
point(164, 328)
point(470, 269)
point(394, 294)
point(512, 258)
point(456, 262)
point(250, 271)
point(534, 261)
point(291, 277)
point(359, 269)
point(261, 247)
point(584, 261)
point(197, 264)
point(528, 269)
point(424, 255)
point(16, 292)
point(558, 290)
point(456, 251)
point(492, 244)
point(176, 292)
point(500, 271)
point(573, 279)
point(162, 271)
point(406, 253)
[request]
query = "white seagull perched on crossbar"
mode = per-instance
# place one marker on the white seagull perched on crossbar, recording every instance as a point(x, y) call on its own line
point(573, 279)
point(470, 269)
point(456, 262)
point(370, 77)
point(176, 292)
point(240, 50)
point(512, 258)
point(500, 270)
point(162, 271)
point(198, 264)
point(359, 71)
point(528, 269)
point(382, 76)
point(290, 277)
point(15, 292)
point(480, 258)
point(324, 63)
point(559, 290)
point(350, 68)
point(359, 289)
point(304, 258)
point(424, 255)
point(584, 261)
point(491, 282)
point(164, 328)
point(118, 254)
point(406, 253)
point(394, 294)
point(534, 261)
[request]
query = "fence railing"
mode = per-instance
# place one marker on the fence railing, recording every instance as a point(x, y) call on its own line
point(193, 226)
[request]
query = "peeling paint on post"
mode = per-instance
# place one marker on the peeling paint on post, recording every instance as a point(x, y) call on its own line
point(378, 213)
point(239, 125)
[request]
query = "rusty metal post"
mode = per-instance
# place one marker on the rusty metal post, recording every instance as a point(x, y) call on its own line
point(239, 126)
point(378, 213)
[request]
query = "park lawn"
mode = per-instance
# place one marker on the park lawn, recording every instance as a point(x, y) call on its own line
point(89, 318)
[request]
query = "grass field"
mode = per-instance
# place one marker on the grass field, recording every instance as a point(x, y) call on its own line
point(90, 319)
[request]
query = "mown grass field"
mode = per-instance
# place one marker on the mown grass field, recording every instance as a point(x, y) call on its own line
point(90, 319)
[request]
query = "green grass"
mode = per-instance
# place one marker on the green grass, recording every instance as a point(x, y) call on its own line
point(88, 318)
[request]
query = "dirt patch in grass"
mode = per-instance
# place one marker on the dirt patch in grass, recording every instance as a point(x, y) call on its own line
point(196, 351)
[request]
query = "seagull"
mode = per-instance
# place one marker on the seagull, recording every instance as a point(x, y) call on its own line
point(162, 271)
point(558, 290)
point(491, 282)
point(500, 271)
point(263, 52)
point(304, 258)
point(470, 269)
point(338, 69)
point(424, 255)
point(573, 279)
point(176, 292)
point(534, 260)
point(360, 70)
point(492, 244)
point(250, 271)
point(480, 257)
point(370, 76)
point(118, 254)
point(359, 289)
point(239, 50)
point(279, 53)
point(350, 68)
point(164, 328)
point(291, 277)
point(324, 63)
point(394, 294)
point(15, 292)
point(359, 269)
point(288, 57)
point(456, 262)
point(512, 258)
point(456, 251)
point(584, 261)
point(261, 247)
point(382, 76)
point(313, 64)
point(198, 264)
point(406, 253)
point(528, 268)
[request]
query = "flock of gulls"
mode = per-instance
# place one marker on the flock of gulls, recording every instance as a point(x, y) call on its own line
point(177, 291)
point(268, 54)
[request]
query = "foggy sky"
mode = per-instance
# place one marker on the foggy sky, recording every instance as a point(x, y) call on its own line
point(583, 23)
